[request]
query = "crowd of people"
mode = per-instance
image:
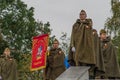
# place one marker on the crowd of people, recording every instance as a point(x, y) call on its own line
point(87, 48)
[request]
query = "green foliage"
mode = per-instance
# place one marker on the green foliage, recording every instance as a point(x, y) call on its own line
point(45, 29)
point(112, 24)
point(17, 27)
point(24, 69)
point(65, 43)
point(116, 41)
point(3, 45)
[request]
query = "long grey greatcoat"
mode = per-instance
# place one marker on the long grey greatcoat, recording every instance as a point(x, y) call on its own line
point(82, 40)
point(112, 68)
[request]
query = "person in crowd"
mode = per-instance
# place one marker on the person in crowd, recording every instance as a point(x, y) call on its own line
point(8, 66)
point(112, 69)
point(82, 52)
point(55, 62)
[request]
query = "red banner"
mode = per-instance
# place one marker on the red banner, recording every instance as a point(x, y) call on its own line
point(39, 51)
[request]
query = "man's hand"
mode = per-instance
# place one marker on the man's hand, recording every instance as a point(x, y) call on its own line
point(73, 49)
point(87, 27)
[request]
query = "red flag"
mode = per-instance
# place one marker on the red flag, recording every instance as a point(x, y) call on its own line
point(39, 51)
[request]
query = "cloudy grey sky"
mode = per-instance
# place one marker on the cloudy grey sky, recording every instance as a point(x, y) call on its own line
point(63, 13)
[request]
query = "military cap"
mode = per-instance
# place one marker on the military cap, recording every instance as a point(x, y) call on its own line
point(102, 31)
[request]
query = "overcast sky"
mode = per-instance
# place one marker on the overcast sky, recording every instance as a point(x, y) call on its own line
point(62, 14)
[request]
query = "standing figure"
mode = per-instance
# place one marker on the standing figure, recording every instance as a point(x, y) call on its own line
point(82, 51)
point(8, 67)
point(55, 62)
point(112, 69)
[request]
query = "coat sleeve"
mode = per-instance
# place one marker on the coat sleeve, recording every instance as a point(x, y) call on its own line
point(72, 37)
point(72, 44)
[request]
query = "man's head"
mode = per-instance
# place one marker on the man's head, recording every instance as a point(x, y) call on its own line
point(82, 15)
point(103, 34)
point(7, 51)
point(55, 43)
